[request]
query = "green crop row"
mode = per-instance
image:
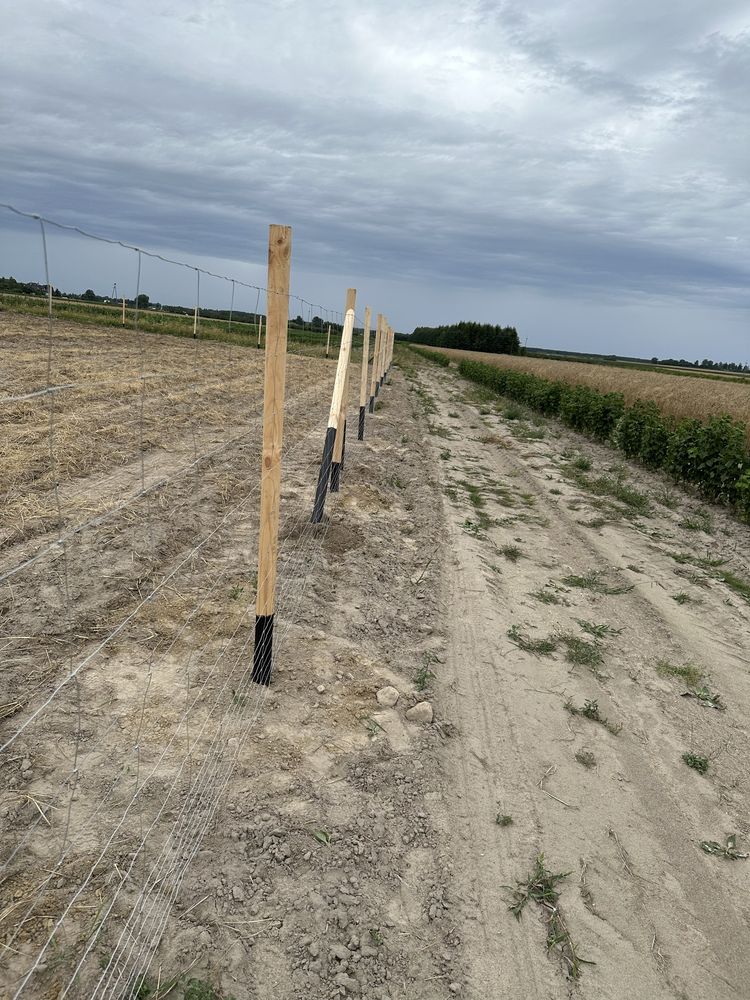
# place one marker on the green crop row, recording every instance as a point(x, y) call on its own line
point(436, 356)
point(711, 454)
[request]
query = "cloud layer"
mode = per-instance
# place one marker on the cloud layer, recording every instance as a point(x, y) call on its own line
point(585, 152)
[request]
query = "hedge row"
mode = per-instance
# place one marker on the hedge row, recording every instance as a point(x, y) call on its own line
point(712, 454)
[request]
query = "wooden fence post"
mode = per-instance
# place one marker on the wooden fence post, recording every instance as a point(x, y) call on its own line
point(123, 311)
point(328, 341)
point(379, 363)
point(333, 418)
point(279, 264)
point(260, 331)
point(363, 381)
point(375, 355)
point(340, 443)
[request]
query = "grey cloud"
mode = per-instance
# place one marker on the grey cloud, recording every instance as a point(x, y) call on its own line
point(480, 145)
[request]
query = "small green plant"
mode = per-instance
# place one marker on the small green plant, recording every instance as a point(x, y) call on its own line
point(582, 462)
point(239, 699)
point(586, 758)
point(704, 696)
point(682, 598)
point(590, 710)
point(539, 646)
point(376, 937)
point(556, 492)
point(696, 761)
point(198, 989)
point(600, 631)
point(541, 888)
point(235, 592)
point(445, 454)
point(397, 482)
point(322, 837)
point(726, 850)
point(688, 673)
point(424, 675)
point(502, 819)
point(511, 552)
point(513, 412)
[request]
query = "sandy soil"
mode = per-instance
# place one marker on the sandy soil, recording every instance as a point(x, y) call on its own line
point(334, 847)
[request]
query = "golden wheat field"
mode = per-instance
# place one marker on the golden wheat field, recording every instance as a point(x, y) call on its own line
point(675, 395)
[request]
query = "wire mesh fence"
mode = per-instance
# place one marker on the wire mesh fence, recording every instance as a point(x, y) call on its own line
point(128, 555)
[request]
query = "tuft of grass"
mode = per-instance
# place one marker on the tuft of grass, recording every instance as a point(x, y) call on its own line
point(682, 598)
point(688, 673)
point(539, 646)
point(582, 462)
point(511, 552)
point(593, 581)
point(503, 819)
point(726, 850)
point(445, 454)
point(696, 761)
point(541, 888)
point(590, 710)
point(545, 596)
point(586, 758)
point(235, 592)
point(475, 495)
point(555, 492)
point(513, 412)
point(580, 652)
point(666, 497)
point(699, 521)
point(739, 586)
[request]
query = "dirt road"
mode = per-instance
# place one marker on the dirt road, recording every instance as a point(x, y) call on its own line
point(530, 550)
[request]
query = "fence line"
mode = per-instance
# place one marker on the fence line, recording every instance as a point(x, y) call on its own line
point(127, 798)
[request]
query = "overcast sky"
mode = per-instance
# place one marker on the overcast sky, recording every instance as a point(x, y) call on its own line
point(578, 169)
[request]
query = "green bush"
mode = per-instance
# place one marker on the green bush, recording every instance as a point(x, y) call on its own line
point(712, 454)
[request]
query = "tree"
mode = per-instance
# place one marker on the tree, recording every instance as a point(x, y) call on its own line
point(89, 295)
point(142, 301)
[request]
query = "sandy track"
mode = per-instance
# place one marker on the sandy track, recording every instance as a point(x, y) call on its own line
point(663, 919)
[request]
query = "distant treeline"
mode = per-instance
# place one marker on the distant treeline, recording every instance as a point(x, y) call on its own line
point(470, 337)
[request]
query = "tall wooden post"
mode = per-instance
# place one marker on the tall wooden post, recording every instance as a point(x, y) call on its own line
point(379, 360)
point(363, 380)
point(375, 355)
point(384, 353)
point(328, 341)
point(123, 311)
point(260, 331)
point(279, 264)
point(340, 443)
point(333, 418)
